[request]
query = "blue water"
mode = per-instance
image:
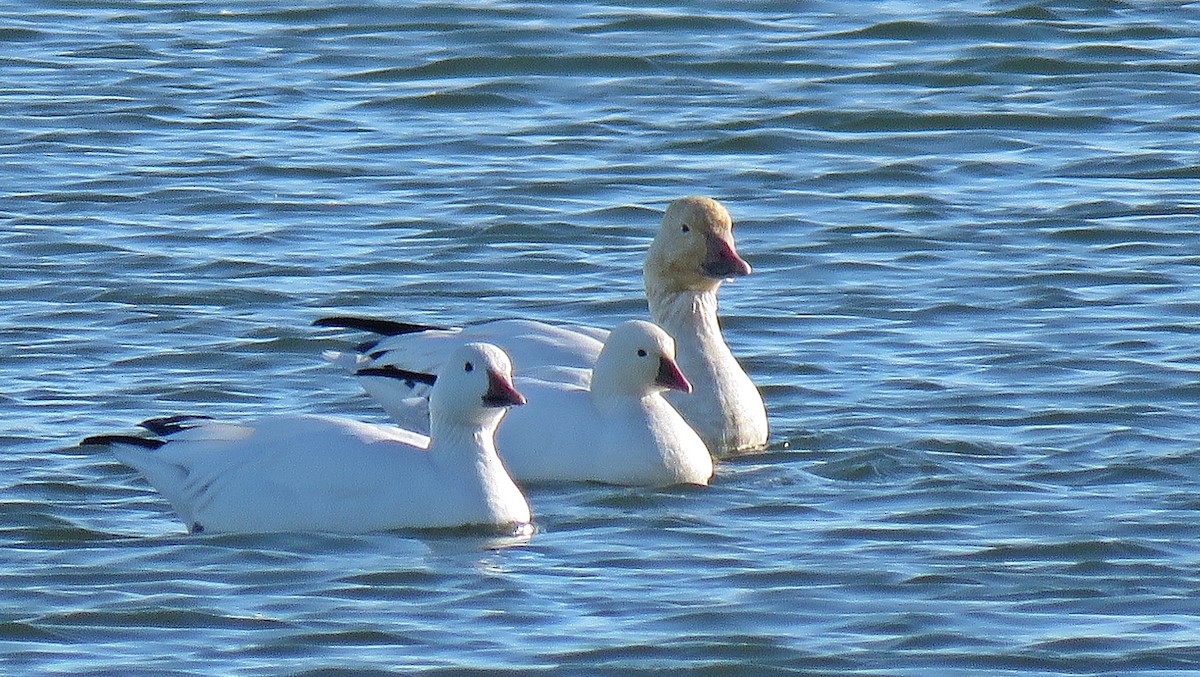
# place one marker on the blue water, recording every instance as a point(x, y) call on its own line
point(973, 316)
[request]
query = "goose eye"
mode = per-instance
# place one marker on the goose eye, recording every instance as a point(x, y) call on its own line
point(468, 367)
point(686, 229)
point(641, 352)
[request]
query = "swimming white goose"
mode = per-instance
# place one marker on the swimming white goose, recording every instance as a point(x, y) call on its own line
point(321, 473)
point(692, 253)
point(620, 430)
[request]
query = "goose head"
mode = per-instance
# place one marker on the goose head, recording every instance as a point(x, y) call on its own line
point(693, 249)
point(474, 386)
point(638, 358)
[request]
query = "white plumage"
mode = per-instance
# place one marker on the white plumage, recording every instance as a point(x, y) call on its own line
point(321, 473)
point(609, 424)
point(691, 254)
point(620, 430)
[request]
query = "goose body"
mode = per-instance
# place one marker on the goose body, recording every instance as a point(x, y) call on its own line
point(690, 256)
point(322, 473)
point(609, 424)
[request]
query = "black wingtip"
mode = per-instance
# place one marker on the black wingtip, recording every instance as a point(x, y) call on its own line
point(168, 425)
point(109, 440)
point(373, 325)
point(389, 371)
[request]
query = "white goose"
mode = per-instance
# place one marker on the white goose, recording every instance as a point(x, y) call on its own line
point(320, 473)
point(617, 430)
point(692, 253)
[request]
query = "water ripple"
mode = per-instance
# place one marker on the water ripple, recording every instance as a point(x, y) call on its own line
point(971, 315)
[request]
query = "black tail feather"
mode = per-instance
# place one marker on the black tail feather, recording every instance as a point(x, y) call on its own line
point(109, 440)
point(375, 326)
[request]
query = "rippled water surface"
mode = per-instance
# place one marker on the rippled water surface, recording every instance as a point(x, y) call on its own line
point(973, 316)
